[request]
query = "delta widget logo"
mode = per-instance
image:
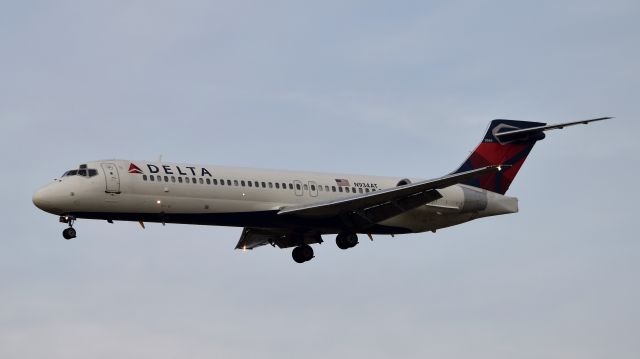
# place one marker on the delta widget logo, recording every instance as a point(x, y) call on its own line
point(134, 169)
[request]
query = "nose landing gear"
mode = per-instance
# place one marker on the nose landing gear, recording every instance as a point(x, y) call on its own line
point(68, 233)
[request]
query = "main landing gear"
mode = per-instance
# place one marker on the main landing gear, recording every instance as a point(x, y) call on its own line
point(68, 233)
point(302, 253)
point(345, 240)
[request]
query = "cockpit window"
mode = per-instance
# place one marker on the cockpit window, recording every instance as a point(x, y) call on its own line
point(83, 171)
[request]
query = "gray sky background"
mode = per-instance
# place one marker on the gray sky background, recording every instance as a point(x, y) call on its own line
point(387, 88)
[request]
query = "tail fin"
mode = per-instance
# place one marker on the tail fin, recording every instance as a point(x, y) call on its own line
point(502, 150)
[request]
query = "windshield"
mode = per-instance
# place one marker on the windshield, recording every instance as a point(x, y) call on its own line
point(84, 172)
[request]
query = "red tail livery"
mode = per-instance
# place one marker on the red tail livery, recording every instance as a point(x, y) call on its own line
point(502, 145)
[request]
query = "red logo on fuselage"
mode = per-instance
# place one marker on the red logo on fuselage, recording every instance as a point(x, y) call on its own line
point(134, 169)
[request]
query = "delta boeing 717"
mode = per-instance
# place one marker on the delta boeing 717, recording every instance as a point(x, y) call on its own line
point(292, 209)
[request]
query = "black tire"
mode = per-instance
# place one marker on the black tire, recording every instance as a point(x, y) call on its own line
point(346, 240)
point(307, 252)
point(298, 255)
point(302, 253)
point(69, 233)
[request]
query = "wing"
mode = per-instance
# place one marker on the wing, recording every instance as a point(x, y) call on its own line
point(253, 237)
point(368, 209)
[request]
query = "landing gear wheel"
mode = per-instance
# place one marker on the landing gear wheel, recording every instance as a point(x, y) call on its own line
point(346, 240)
point(302, 253)
point(69, 233)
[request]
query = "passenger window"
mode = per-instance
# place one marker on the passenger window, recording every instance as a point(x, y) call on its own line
point(201, 181)
point(284, 186)
point(298, 186)
point(179, 179)
point(242, 183)
point(277, 185)
point(306, 188)
point(166, 178)
point(326, 188)
point(256, 183)
point(235, 183)
point(144, 177)
point(152, 178)
point(353, 189)
point(186, 180)
point(250, 183)
point(346, 189)
point(290, 186)
point(159, 178)
point(173, 179)
point(222, 182)
point(270, 185)
point(333, 188)
point(320, 188)
point(360, 189)
point(366, 190)
point(215, 181)
point(228, 182)
point(264, 185)
point(208, 181)
point(313, 188)
point(194, 181)
point(339, 189)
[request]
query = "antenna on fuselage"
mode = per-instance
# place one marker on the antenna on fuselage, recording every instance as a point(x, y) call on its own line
point(159, 158)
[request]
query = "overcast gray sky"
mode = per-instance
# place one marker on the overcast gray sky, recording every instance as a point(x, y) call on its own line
point(386, 88)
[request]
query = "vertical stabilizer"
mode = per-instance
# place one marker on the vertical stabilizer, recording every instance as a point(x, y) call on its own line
point(495, 151)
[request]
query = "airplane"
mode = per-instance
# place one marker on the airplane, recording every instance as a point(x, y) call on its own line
point(295, 209)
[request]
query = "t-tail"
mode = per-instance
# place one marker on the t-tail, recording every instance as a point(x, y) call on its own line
point(507, 143)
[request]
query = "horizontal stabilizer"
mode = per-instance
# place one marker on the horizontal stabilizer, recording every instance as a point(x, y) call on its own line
point(506, 136)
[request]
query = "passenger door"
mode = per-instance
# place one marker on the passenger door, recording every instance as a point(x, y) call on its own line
point(111, 177)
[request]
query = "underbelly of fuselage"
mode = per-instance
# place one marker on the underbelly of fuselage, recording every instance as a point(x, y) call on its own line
point(261, 219)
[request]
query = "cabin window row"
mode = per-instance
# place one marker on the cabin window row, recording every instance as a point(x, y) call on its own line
point(256, 184)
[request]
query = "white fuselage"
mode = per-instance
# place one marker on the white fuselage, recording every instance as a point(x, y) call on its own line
point(214, 195)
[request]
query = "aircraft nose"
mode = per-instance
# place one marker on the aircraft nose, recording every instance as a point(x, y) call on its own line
point(43, 199)
point(40, 198)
